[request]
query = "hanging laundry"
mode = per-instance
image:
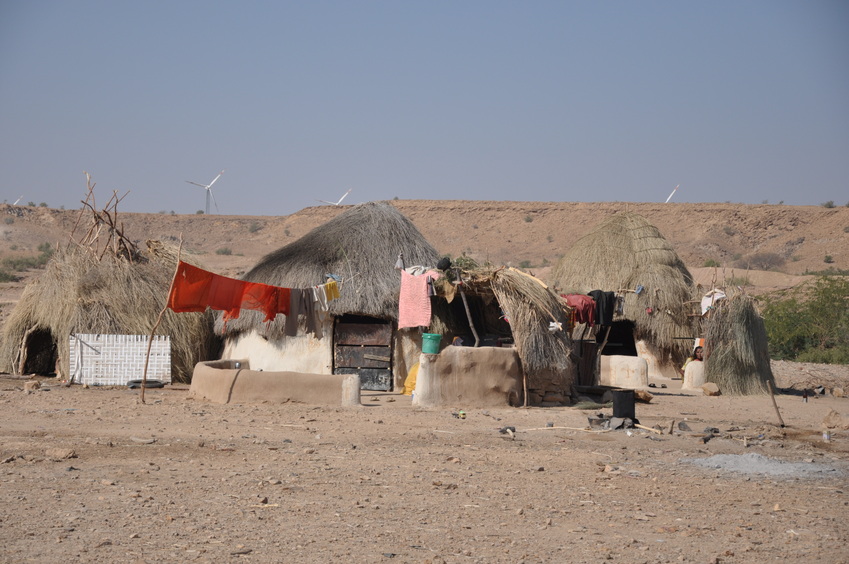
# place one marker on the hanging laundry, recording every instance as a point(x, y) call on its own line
point(414, 302)
point(605, 304)
point(709, 300)
point(331, 289)
point(195, 289)
point(583, 308)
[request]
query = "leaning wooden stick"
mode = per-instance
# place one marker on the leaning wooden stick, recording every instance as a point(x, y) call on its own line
point(652, 429)
point(159, 319)
point(774, 404)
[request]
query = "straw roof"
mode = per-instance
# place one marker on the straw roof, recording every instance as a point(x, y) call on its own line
point(622, 253)
point(361, 245)
point(736, 353)
point(81, 292)
point(530, 307)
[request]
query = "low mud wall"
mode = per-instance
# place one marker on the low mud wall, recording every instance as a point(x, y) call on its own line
point(232, 381)
point(469, 377)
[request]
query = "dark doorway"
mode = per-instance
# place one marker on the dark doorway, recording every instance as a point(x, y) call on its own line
point(620, 340)
point(40, 353)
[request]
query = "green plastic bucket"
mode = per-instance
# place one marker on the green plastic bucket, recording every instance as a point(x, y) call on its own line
point(430, 343)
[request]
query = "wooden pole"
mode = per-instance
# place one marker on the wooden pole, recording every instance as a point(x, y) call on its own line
point(159, 319)
point(774, 403)
point(469, 317)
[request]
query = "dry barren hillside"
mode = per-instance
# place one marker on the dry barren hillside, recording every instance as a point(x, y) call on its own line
point(789, 239)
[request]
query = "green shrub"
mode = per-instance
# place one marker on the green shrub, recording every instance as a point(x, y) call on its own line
point(828, 204)
point(739, 281)
point(828, 259)
point(711, 262)
point(199, 212)
point(830, 271)
point(19, 264)
point(42, 205)
point(528, 219)
point(31, 204)
point(846, 229)
point(9, 220)
point(549, 238)
point(728, 230)
point(827, 356)
point(254, 227)
point(224, 251)
point(812, 323)
point(6, 276)
point(525, 264)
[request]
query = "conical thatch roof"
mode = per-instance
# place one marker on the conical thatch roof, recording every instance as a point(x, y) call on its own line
point(361, 245)
point(622, 253)
point(80, 292)
point(736, 353)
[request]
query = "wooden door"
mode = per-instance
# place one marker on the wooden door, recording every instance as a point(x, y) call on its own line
point(364, 349)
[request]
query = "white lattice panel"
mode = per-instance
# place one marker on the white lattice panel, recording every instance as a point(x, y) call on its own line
point(114, 360)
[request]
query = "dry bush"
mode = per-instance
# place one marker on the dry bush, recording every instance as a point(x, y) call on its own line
point(761, 261)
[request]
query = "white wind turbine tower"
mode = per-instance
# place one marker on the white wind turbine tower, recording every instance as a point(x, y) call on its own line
point(208, 188)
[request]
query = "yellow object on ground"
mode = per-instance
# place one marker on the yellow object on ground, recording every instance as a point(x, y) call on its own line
point(410, 382)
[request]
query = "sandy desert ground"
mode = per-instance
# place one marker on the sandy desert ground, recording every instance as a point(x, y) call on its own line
point(93, 475)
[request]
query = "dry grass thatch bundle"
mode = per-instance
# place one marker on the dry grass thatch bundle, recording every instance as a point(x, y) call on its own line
point(623, 253)
point(529, 306)
point(80, 292)
point(361, 245)
point(736, 354)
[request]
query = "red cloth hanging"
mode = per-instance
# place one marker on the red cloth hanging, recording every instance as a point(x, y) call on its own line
point(584, 307)
point(195, 289)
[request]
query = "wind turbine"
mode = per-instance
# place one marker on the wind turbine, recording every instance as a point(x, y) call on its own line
point(208, 188)
point(672, 194)
point(18, 200)
point(337, 202)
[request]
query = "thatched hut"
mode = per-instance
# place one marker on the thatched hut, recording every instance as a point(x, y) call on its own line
point(628, 255)
point(736, 353)
point(85, 292)
point(507, 307)
point(360, 335)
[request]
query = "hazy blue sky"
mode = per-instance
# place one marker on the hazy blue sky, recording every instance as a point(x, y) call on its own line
point(532, 100)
